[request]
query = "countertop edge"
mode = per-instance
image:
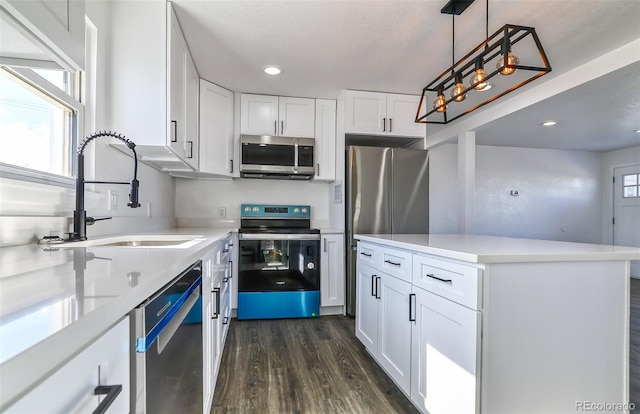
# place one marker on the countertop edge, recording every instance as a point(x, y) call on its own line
point(571, 253)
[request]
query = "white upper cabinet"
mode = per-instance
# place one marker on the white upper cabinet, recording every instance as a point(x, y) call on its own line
point(216, 129)
point(375, 113)
point(278, 116)
point(325, 147)
point(57, 27)
point(153, 85)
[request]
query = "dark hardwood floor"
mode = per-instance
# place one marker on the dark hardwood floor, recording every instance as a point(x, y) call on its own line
point(302, 366)
point(634, 349)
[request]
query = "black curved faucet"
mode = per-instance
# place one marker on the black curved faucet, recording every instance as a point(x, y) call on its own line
point(80, 219)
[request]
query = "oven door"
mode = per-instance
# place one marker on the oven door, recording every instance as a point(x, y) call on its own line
point(278, 276)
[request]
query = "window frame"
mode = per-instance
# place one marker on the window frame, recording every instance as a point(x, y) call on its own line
point(77, 127)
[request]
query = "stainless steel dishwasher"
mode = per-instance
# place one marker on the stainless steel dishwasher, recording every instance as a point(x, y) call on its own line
point(166, 375)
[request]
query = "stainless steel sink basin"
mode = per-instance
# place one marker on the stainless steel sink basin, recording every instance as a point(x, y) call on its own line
point(152, 241)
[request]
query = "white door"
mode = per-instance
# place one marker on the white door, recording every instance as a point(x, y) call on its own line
point(394, 343)
point(297, 117)
point(191, 112)
point(444, 357)
point(626, 210)
point(401, 114)
point(216, 129)
point(325, 148)
point(177, 87)
point(366, 112)
point(259, 115)
point(367, 308)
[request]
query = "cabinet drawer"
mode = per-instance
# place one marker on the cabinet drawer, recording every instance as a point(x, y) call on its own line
point(395, 262)
point(453, 281)
point(368, 253)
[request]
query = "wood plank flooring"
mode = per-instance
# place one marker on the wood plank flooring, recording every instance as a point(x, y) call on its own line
point(302, 366)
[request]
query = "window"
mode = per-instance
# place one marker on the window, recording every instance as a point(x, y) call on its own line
point(631, 185)
point(39, 120)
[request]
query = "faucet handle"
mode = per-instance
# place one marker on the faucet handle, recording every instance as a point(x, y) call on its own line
point(92, 220)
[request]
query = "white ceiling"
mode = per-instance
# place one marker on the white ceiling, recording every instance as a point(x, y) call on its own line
point(400, 45)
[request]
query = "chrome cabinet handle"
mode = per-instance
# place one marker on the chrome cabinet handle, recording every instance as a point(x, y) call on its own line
point(318, 172)
point(281, 127)
point(384, 124)
point(390, 124)
point(275, 127)
point(449, 281)
point(225, 320)
point(373, 281)
point(111, 391)
point(378, 278)
point(230, 269)
point(324, 244)
point(175, 131)
point(412, 314)
point(231, 166)
point(392, 263)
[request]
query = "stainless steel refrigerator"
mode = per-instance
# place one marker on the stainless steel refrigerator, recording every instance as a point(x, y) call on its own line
point(387, 191)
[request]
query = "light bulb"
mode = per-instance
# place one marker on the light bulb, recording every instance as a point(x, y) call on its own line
point(478, 80)
point(457, 93)
point(511, 60)
point(439, 103)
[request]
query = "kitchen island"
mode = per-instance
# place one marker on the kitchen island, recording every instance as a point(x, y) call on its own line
point(469, 323)
point(56, 300)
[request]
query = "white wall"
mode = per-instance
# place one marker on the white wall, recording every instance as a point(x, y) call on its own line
point(611, 160)
point(560, 193)
point(197, 201)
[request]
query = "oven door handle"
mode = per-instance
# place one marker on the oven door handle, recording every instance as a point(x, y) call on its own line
point(172, 320)
point(272, 236)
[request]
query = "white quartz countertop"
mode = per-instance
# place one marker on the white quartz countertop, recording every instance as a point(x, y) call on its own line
point(493, 249)
point(56, 300)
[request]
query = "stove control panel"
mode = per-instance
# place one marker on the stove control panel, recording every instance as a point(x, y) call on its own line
point(274, 211)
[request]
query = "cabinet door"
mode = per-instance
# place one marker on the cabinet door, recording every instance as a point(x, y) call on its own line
point(332, 270)
point(192, 141)
point(58, 24)
point(259, 115)
point(401, 116)
point(71, 388)
point(296, 117)
point(177, 87)
point(216, 129)
point(444, 354)
point(207, 328)
point(367, 307)
point(325, 148)
point(366, 112)
point(394, 343)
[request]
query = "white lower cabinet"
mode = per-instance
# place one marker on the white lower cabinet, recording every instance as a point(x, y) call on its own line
point(81, 385)
point(427, 344)
point(216, 311)
point(332, 270)
point(382, 322)
point(444, 355)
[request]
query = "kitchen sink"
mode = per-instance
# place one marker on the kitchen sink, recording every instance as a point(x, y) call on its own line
point(153, 241)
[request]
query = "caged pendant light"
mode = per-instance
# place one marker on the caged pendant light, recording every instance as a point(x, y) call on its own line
point(507, 60)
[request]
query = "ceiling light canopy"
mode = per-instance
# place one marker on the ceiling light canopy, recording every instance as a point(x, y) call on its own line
point(272, 70)
point(514, 51)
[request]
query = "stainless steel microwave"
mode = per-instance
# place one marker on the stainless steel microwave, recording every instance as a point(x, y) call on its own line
point(264, 156)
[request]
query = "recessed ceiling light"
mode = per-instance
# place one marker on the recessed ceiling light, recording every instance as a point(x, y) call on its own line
point(272, 70)
point(549, 123)
point(638, 131)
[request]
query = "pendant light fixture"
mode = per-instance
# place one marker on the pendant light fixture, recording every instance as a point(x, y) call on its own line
point(514, 51)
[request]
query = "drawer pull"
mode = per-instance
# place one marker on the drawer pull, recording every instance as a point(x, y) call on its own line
point(111, 391)
point(225, 320)
point(449, 281)
point(392, 263)
point(365, 254)
point(378, 278)
point(412, 313)
point(373, 284)
point(217, 310)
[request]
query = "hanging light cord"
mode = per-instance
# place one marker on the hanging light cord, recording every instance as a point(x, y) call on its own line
point(453, 42)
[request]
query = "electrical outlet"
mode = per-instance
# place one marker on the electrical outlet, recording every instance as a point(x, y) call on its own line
point(112, 200)
point(514, 192)
point(222, 212)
